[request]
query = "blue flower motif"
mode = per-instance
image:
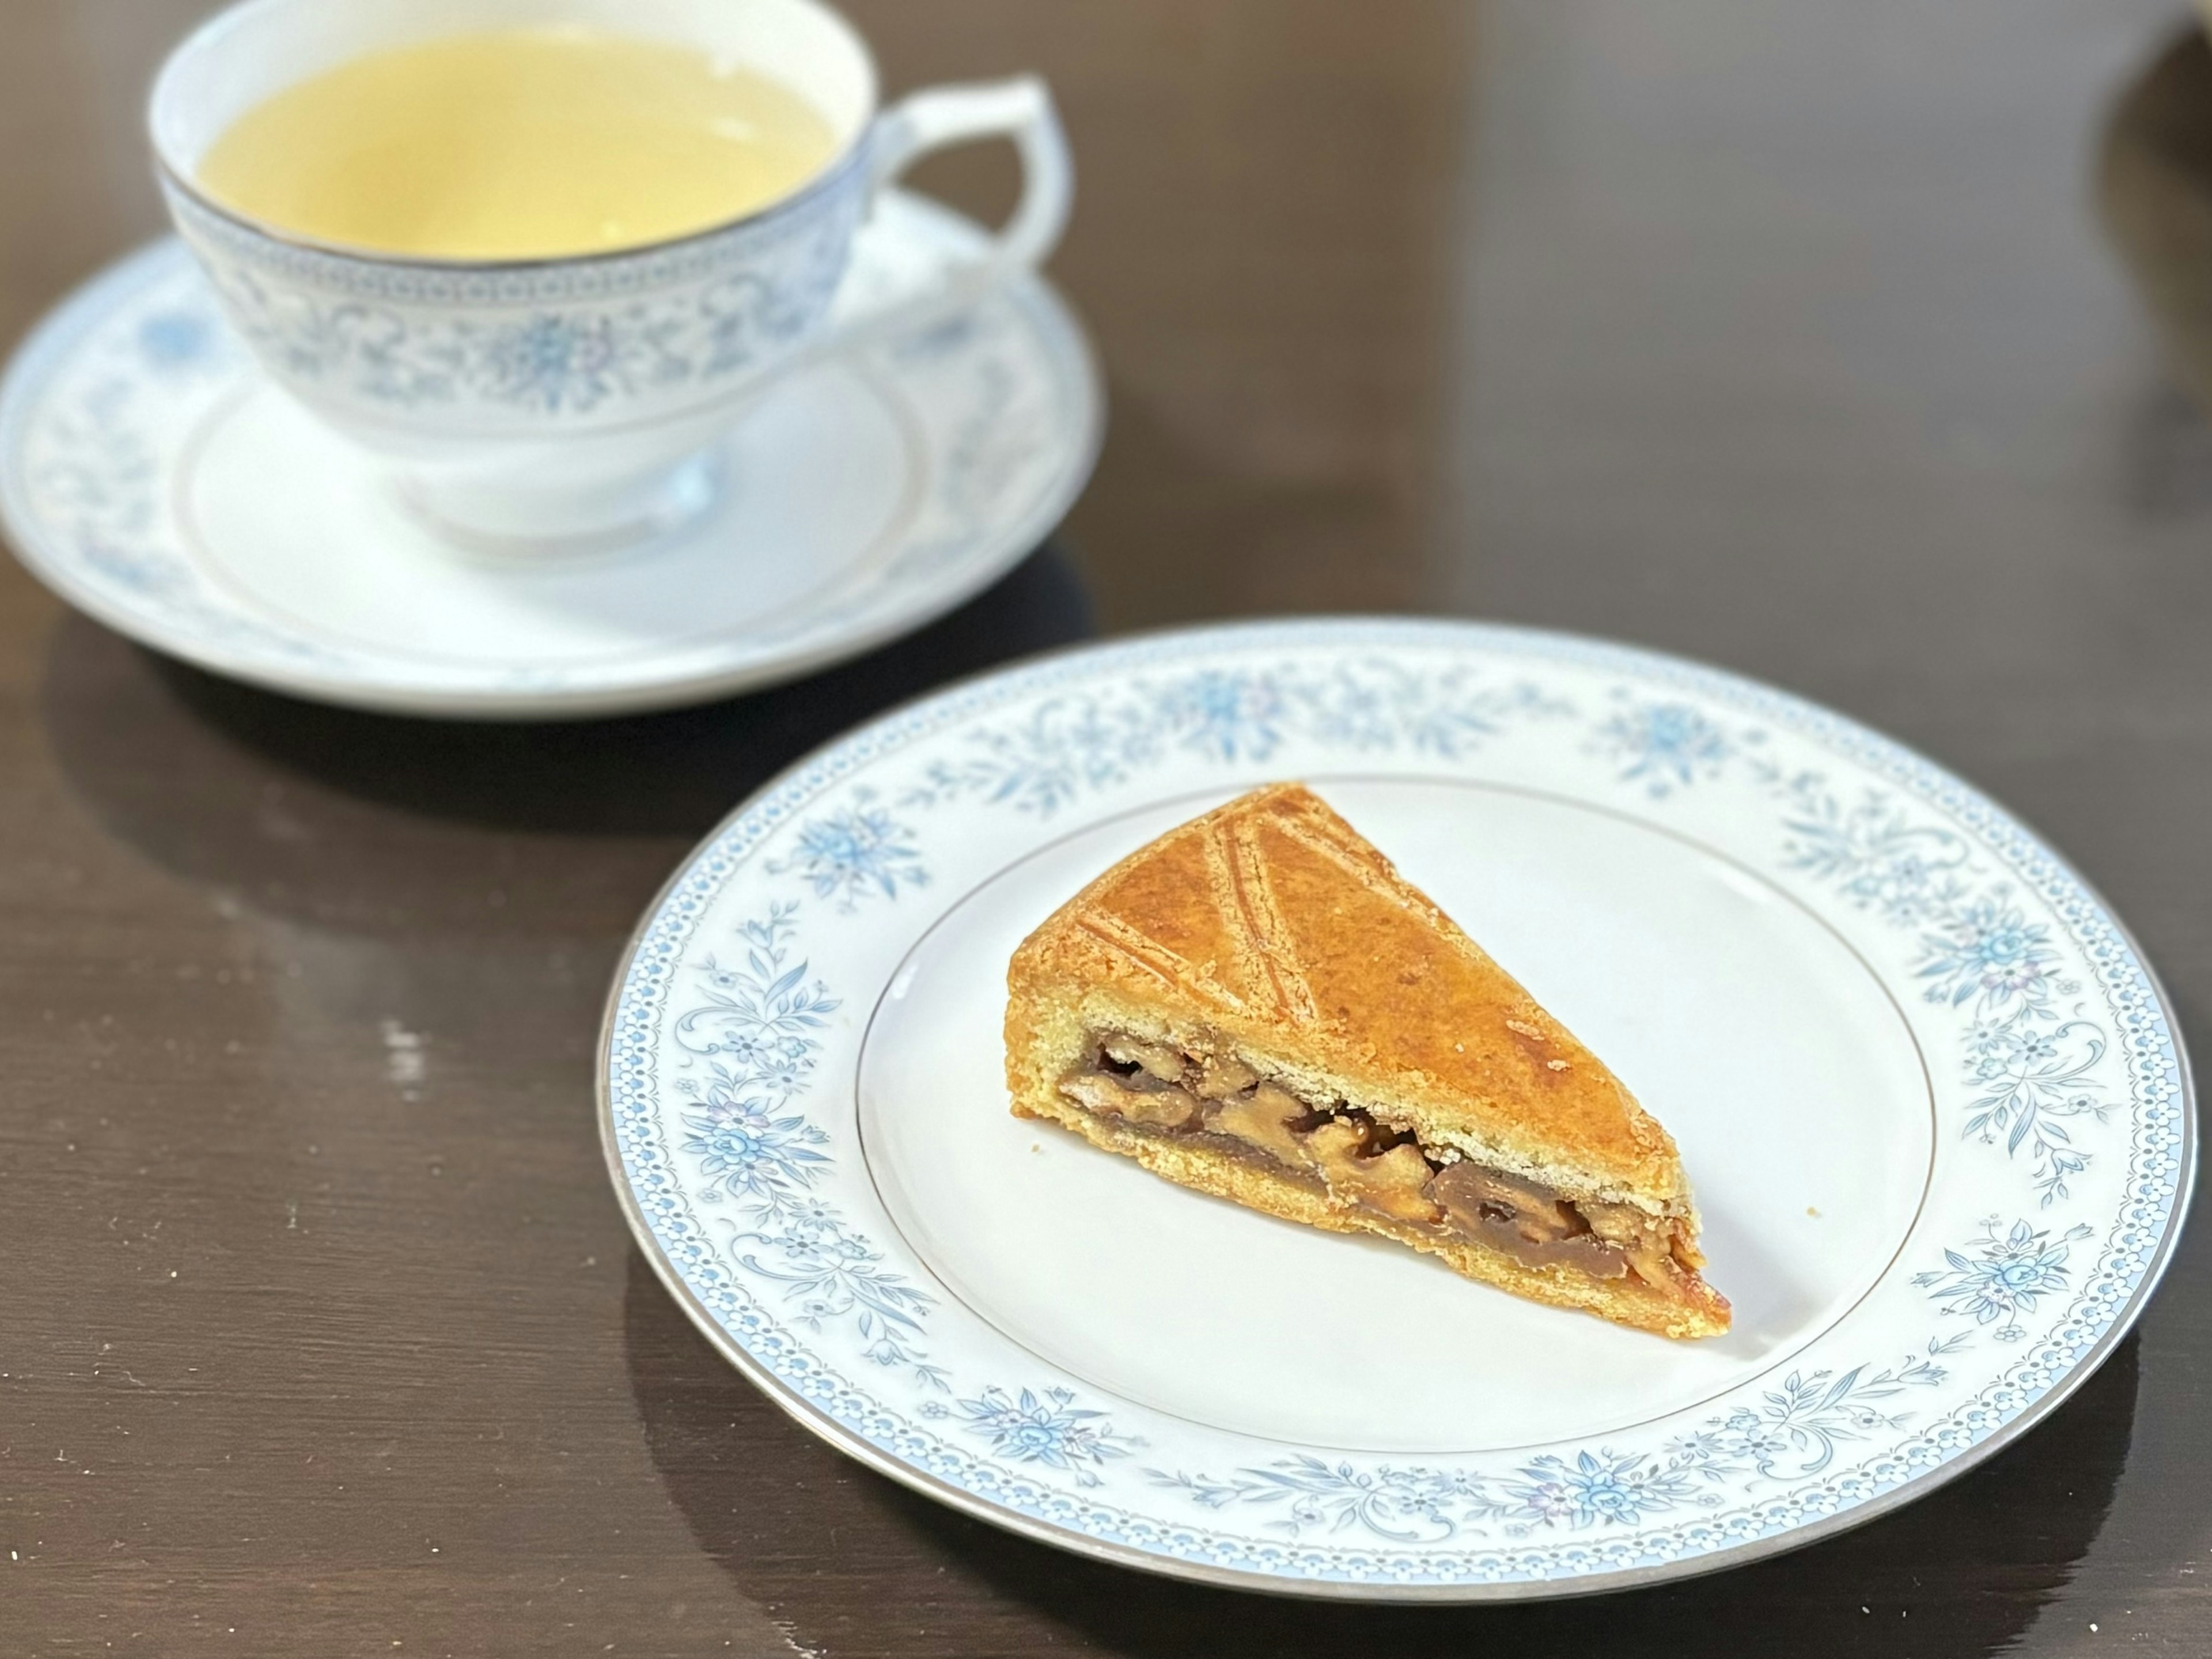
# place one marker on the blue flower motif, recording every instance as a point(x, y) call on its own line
point(2004, 1275)
point(853, 854)
point(746, 1151)
point(1664, 746)
point(1050, 1430)
point(809, 1221)
point(175, 339)
point(553, 362)
point(1611, 1489)
point(1991, 951)
point(1226, 716)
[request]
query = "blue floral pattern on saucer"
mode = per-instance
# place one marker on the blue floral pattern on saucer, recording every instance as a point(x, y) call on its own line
point(113, 407)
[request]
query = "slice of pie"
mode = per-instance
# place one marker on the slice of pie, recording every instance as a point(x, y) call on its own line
point(1258, 1005)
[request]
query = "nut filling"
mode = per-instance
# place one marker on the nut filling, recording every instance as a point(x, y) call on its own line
point(1169, 1093)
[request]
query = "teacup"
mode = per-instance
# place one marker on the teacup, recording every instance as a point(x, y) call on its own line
point(542, 405)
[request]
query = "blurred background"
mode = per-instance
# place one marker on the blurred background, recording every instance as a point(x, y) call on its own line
point(1862, 347)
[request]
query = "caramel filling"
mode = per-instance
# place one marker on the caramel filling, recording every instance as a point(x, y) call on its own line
point(1172, 1094)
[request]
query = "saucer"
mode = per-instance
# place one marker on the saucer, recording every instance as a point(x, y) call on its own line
point(153, 476)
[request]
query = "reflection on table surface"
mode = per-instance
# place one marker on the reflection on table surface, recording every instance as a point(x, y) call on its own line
point(1865, 348)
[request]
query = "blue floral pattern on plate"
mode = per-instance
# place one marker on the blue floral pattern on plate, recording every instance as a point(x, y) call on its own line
point(2028, 1045)
point(2067, 1105)
point(1054, 1431)
point(2002, 1275)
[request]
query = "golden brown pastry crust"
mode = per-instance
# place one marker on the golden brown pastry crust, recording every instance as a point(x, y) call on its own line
point(1271, 924)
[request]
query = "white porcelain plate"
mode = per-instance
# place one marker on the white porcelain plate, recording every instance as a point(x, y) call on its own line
point(1934, 1110)
point(154, 477)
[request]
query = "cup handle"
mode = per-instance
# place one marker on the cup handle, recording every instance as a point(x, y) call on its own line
point(1019, 109)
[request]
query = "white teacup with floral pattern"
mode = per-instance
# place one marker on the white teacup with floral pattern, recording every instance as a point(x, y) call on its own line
point(555, 403)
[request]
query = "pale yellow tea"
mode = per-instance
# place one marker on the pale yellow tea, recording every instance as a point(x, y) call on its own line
point(521, 144)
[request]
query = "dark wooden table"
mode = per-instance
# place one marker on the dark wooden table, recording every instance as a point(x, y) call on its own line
point(1863, 347)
